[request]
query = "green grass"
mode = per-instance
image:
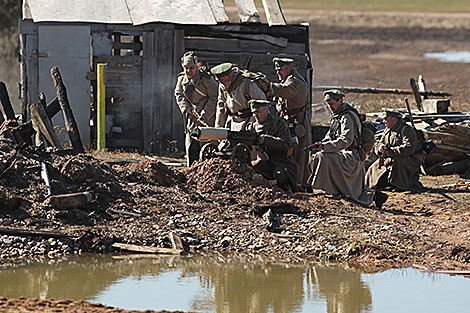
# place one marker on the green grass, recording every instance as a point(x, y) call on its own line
point(439, 6)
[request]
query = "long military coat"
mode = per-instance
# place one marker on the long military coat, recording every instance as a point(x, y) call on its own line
point(293, 94)
point(337, 169)
point(276, 144)
point(232, 106)
point(199, 93)
point(402, 164)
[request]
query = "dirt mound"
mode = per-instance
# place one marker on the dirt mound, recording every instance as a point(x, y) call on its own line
point(217, 174)
point(158, 173)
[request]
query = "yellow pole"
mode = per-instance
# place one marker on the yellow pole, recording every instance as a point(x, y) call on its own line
point(101, 108)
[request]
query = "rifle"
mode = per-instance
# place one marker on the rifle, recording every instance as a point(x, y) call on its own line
point(382, 157)
point(427, 145)
point(198, 118)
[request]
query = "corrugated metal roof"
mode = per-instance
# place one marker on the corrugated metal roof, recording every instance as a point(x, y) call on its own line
point(134, 12)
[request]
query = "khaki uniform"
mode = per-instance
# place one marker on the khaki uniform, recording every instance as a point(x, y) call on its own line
point(337, 169)
point(233, 111)
point(275, 146)
point(292, 105)
point(402, 164)
point(200, 94)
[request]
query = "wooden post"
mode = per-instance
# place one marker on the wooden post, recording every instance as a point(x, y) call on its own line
point(42, 124)
point(273, 12)
point(101, 108)
point(417, 96)
point(5, 98)
point(69, 119)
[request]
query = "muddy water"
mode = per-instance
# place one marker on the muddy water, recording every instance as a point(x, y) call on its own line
point(216, 284)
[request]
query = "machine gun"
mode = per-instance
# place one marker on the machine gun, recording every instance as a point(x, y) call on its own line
point(234, 145)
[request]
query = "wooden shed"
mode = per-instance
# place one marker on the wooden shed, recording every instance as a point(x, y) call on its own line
point(142, 41)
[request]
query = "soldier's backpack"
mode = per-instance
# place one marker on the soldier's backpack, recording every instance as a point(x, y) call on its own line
point(366, 135)
point(260, 79)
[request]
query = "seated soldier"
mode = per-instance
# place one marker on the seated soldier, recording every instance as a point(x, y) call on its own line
point(274, 143)
point(400, 156)
point(336, 166)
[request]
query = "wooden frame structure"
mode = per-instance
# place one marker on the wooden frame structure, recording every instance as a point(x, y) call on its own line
point(143, 62)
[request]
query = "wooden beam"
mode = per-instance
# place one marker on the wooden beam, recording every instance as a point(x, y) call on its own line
point(145, 249)
point(42, 124)
point(72, 200)
point(5, 99)
point(273, 12)
point(69, 119)
point(218, 10)
point(247, 11)
point(254, 45)
point(417, 96)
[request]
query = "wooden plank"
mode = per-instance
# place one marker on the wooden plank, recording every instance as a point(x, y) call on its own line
point(147, 90)
point(218, 10)
point(72, 200)
point(121, 60)
point(241, 45)
point(176, 242)
point(124, 143)
point(247, 11)
point(127, 45)
point(32, 233)
point(273, 12)
point(32, 68)
point(42, 124)
point(145, 249)
point(69, 119)
point(177, 128)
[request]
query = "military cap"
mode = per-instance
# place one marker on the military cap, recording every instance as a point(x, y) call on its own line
point(222, 70)
point(392, 113)
point(334, 94)
point(189, 59)
point(279, 62)
point(256, 104)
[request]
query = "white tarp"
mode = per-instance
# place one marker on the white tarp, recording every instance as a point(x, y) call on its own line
point(134, 12)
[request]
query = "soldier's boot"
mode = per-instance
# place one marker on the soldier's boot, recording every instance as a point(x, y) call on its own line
point(380, 198)
point(282, 180)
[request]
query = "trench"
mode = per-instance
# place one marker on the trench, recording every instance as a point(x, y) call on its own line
point(233, 284)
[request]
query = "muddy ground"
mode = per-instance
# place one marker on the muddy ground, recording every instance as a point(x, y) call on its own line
point(216, 206)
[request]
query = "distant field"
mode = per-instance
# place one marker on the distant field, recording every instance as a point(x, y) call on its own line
point(440, 6)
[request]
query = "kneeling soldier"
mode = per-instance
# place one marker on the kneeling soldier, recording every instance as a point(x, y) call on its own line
point(274, 144)
point(400, 156)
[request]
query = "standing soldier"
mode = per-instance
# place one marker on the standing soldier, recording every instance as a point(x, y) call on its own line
point(292, 96)
point(235, 90)
point(196, 96)
point(400, 156)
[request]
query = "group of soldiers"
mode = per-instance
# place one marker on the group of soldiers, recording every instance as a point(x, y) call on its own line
point(236, 99)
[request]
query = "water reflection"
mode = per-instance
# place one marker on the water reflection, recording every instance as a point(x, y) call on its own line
point(214, 284)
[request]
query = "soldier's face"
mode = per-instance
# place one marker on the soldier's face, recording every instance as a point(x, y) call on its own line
point(225, 80)
point(261, 114)
point(283, 72)
point(190, 70)
point(334, 104)
point(390, 121)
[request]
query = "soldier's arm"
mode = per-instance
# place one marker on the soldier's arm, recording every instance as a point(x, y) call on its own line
point(346, 137)
point(379, 145)
point(280, 141)
point(408, 146)
point(221, 109)
point(181, 100)
point(286, 90)
point(212, 89)
point(255, 92)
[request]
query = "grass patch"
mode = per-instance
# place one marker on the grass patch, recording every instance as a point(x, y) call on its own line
point(438, 6)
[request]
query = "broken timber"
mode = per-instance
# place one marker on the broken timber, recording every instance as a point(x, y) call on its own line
point(73, 200)
point(42, 124)
point(5, 98)
point(144, 249)
point(69, 119)
point(380, 90)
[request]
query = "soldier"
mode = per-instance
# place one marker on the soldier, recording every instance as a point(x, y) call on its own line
point(292, 94)
point(196, 96)
point(274, 142)
point(400, 156)
point(235, 90)
point(336, 167)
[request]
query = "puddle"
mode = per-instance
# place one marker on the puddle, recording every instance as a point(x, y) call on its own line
point(450, 56)
point(216, 284)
